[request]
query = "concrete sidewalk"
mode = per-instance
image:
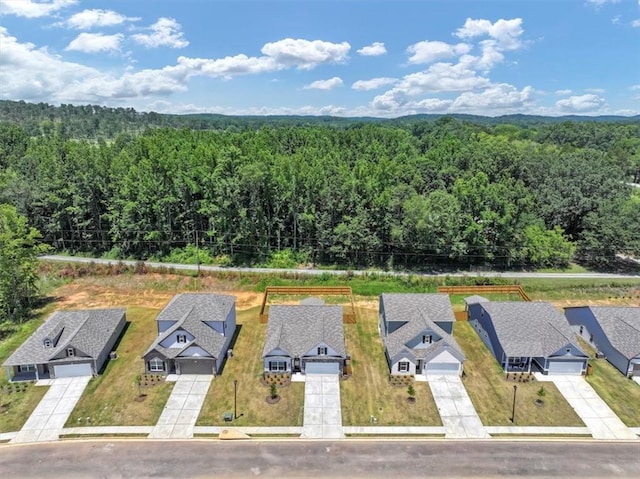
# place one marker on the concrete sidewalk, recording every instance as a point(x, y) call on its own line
point(181, 412)
point(458, 415)
point(51, 414)
point(322, 413)
point(594, 412)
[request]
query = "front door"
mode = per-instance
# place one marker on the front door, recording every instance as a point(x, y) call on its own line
point(419, 366)
point(296, 365)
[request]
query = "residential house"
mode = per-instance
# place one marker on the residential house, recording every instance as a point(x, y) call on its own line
point(612, 330)
point(528, 336)
point(194, 334)
point(416, 331)
point(68, 344)
point(306, 338)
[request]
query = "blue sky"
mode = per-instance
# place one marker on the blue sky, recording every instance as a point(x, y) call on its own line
point(382, 58)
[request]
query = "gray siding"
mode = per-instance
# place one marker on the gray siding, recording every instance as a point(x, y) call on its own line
point(104, 355)
point(578, 316)
point(484, 320)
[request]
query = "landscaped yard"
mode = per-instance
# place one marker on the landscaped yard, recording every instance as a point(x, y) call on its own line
point(111, 399)
point(368, 393)
point(246, 367)
point(15, 407)
point(492, 395)
point(620, 393)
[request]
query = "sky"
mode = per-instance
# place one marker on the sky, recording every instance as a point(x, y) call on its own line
point(382, 58)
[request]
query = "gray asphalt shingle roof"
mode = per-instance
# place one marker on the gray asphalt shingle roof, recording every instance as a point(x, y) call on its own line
point(420, 311)
point(297, 329)
point(622, 327)
point(190, 311)
point(87, 331)
point(400, 306)
point(530, 329)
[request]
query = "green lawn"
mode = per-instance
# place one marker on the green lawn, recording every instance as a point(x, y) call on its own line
point(621, 394)
point(15, 407)
point(492, 394)
point(368, 392)
point(246, 367)
point(111, 399)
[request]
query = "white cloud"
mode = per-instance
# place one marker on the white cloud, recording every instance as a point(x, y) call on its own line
point(430, 51)
point(581, 103)
point(506, 33)
point(634, 87)
point(373, 50)
point(95, 42)
point(87, 19)
point(563, 92)
point(305, 54)
point(329, 84)
point(166, 32)
point(501, 97)
point(595, 90)
point(373, 84)
point(636, 23)
point(599, 3)
point(33, 8)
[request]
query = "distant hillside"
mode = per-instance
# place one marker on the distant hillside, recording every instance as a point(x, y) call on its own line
point(96, 122)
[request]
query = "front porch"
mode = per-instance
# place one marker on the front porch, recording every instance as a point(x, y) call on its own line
point(517, 365)
point(27, 373)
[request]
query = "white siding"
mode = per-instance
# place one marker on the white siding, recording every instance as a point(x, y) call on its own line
point(172, 340)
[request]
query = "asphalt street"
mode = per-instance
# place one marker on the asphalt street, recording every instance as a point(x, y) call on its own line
point(318, 459)
point(488, 274)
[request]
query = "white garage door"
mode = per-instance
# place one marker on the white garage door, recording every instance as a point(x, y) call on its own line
point(443, 368)
point(565, 367)
point(72, 370)
point(322, 368)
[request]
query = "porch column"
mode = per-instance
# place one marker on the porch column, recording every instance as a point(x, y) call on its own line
point(37, 375)
point(8, 370)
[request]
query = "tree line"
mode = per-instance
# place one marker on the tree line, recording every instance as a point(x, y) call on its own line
point(419, 194)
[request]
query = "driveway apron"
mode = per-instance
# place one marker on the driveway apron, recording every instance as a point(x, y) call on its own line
point(594, 412)
point(51, 414)
point(458, 415)
point(322, 413)
point(183, 407)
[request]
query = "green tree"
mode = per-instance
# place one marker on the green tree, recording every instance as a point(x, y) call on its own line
point(19, 248)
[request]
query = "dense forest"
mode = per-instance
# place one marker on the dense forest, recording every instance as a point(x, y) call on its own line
point(391, 193)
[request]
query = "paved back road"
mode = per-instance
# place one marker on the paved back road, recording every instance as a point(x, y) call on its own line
point(193, 267)
point(349, 459)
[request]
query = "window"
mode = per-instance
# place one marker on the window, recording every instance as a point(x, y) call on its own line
point(403, 366)
point(156, 364)
point(568, 350)
point(426, 339)
point(47, 343)
point(581, 329)
point(277, 366)
point(71, 352)
point(182, 338)
point(322, 351)
point(591, 338)
point(515, 360)
point(25, 368)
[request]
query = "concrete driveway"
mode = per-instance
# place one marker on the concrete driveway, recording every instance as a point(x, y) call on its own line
point(183, 407)
point(51, 414)
point(322, 413)
point(458, 415)
point(594, 412)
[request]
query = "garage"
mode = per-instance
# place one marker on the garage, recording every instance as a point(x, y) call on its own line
point(322, 368)
point(636, 369)
point(72, 370)
point(566, 367)
point(452, 368)
point(196, 366)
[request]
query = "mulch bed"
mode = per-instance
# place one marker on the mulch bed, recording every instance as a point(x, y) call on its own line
point(274, 400)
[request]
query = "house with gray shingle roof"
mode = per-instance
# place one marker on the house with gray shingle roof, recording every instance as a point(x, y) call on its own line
point(528, 336)
point(416, 331)
point(613, 330)
point(68, 344)
point(305, 338)
point(194, 333)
